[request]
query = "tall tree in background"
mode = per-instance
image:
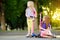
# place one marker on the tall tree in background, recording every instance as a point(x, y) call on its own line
point(2, 16)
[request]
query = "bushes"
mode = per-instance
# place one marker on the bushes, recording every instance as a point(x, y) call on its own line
point(55, 24)
point(14, 8)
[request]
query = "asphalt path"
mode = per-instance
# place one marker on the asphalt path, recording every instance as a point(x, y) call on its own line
point(24, 38)
point(21, 35)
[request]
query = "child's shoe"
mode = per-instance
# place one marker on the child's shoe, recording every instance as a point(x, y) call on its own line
point(33, 35)
point(28, 35)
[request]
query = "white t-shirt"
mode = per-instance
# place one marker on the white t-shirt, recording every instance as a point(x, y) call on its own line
point(30, 12)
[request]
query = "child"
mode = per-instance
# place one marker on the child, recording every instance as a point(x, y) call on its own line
point(45, 28)
point(31, 15)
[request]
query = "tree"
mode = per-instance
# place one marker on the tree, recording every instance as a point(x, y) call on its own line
point(14, 8)
point(2, 16)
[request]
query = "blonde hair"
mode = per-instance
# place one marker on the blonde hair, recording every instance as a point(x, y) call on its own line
point(46, 18)
point(30, 3)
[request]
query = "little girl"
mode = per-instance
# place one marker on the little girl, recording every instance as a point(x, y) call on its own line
point(31, 15)
point(45, 28)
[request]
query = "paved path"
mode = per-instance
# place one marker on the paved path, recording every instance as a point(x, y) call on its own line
point(19, 35)
point(24, 38)
point(23, 33)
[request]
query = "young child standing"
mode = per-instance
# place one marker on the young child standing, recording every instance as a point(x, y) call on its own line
point(31, 14)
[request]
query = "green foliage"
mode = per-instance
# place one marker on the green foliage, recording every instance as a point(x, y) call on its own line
point(52, 5)
point(14, 8)
point(44, 2)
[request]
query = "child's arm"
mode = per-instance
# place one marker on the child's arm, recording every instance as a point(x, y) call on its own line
point(35, 13)
point(27, 13)
point(41, 28)
point(49, 27)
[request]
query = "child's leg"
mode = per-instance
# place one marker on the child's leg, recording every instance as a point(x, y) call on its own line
point(51, 35)
point(29, 26)
point(32, 27)
point(44, 33)
point(47, 34)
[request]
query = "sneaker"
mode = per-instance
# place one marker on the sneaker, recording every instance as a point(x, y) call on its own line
point(33, 35)
point(27, 35)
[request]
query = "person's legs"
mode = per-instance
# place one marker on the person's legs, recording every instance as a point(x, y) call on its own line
point(50, 34)
point(32, 26)
point(28, 23)
point(44, 33)
point(47, 34)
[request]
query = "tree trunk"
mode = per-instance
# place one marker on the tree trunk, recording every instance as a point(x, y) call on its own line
point(2, 18)
point(36, 19)
point(3, 22)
